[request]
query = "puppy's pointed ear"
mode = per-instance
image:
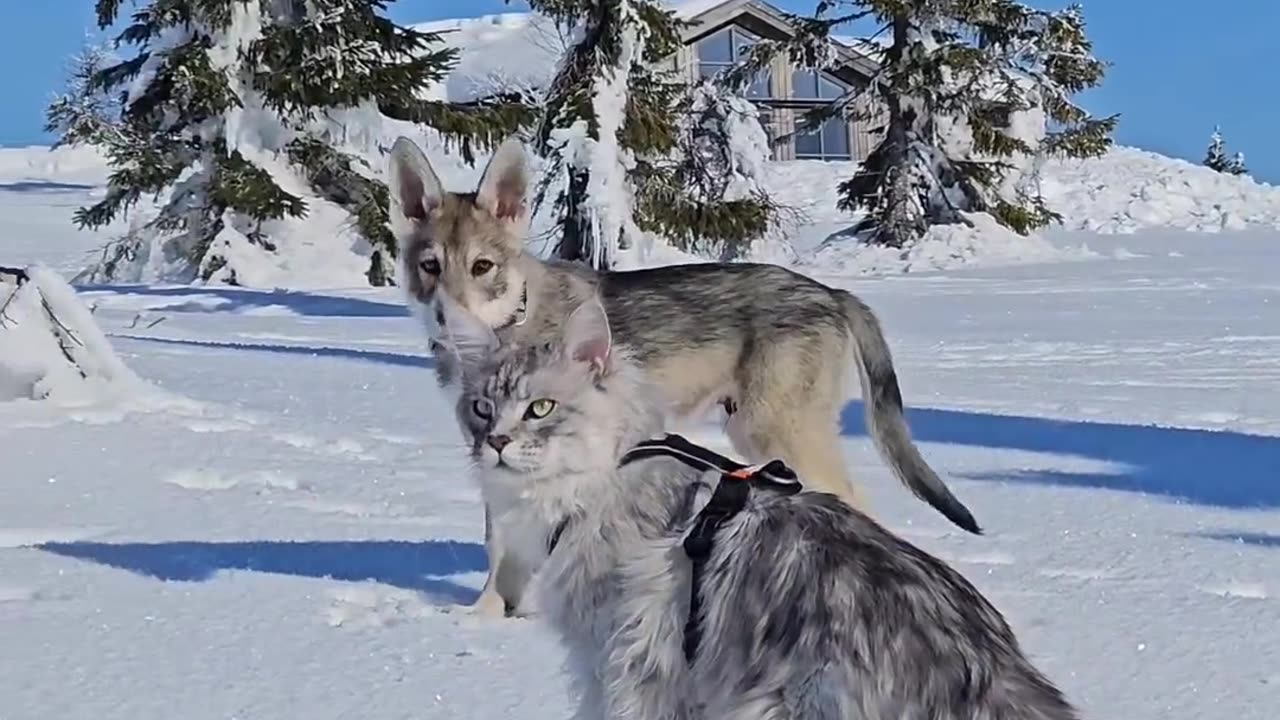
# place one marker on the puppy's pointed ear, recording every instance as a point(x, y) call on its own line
point(588, 339)
point(415, 190)
point(469, 337)
point(504, 182)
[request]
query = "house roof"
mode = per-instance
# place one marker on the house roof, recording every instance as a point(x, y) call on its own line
point(519, 51)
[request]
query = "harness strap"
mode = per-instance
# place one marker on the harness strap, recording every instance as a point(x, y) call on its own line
point(729, 498)
point(678, 448)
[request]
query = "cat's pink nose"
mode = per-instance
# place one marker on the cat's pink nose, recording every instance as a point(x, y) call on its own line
point(497, 442)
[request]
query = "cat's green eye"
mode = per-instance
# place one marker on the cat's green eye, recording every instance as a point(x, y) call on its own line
point(539, 409)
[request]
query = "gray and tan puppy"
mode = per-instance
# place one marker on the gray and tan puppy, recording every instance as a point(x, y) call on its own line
point(772, 346)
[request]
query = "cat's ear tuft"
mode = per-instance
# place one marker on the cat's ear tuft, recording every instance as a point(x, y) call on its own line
point(504, 182)
point(415, 189)
point(469, 337)
point(587, 337)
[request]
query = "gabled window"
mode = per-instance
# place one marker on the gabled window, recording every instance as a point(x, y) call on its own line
point(811, 85)
point(830, 141)
point(726, 48)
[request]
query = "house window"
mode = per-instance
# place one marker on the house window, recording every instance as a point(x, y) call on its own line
point(810, 85)
point(830, 141)
point(767, 123)
point(726, 48)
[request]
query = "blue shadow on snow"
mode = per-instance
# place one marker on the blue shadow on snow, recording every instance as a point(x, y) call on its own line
point(42, 186)
point(1257, 539)
point(413, 565)
point(301, 303)
point(1205, 467)
point(374, 356)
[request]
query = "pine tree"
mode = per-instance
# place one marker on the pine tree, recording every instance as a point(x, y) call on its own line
point(709, 198)
point(1236, 166)
point(83, 112)
point(218, 89)
point(619, 142)
point(965, 88)
point(1216, 157)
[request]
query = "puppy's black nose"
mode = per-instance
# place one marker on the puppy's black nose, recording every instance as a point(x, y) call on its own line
point(497, 442)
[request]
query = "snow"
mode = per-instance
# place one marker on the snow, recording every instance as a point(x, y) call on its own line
point(686, 9)
point(69, 166)
point(293, 538)
point(1132, 189)
point(983, 242)
point(513, 52)
point(1126, 191)
point(748, 143)
point(52, 349)
point(608, 199)
point(509, 52)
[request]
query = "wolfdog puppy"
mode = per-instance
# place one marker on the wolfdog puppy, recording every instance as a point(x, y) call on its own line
point(772, 346)
point(809, 610)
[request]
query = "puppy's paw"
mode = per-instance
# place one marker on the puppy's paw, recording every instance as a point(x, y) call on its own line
point(489, 605)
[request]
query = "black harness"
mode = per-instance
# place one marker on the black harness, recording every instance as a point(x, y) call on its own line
point(729, 498)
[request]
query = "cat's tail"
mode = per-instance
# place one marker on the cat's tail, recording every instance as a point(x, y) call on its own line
point(885, 421)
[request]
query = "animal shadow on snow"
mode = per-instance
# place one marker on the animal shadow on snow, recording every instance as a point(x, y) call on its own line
point(374, 356)
point(1204, 467)
point(424, 566)
point(304, 304)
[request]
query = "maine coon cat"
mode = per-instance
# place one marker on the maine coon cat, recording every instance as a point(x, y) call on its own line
point(808, 609)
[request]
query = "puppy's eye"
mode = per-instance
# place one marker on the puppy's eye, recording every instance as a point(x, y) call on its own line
point(539, 409)
point(430, 266)
point(483, 409)
point(481, 267)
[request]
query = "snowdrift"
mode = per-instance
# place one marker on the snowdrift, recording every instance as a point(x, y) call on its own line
point(50, 346)
point(1128, 190)
point(39, 164)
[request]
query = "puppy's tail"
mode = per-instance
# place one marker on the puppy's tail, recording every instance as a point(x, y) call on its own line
point(885, 421)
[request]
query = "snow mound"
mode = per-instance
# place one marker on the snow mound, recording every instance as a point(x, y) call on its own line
point(1129, 190)
point(817, 234)
point(983, 243)
point(51, 348)
point(40, 164)
point(508, 52)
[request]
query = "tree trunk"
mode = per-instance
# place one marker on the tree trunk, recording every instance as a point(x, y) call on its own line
point(898, 224)
point(379, 273)
point(576, 239)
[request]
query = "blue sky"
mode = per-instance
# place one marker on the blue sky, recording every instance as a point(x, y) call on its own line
point(1177, 70)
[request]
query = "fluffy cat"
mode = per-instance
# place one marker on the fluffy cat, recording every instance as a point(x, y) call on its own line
point(809, 609)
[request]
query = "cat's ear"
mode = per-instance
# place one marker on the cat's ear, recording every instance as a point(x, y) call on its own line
point(415, 189)
point(469, 337)
point(504, 182)
point(587, 337)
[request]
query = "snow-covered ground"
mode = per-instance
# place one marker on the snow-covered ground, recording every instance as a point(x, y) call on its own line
point(283, 530)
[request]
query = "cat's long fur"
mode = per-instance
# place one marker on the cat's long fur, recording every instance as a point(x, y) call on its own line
point(772, 345)
point(812, 611)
